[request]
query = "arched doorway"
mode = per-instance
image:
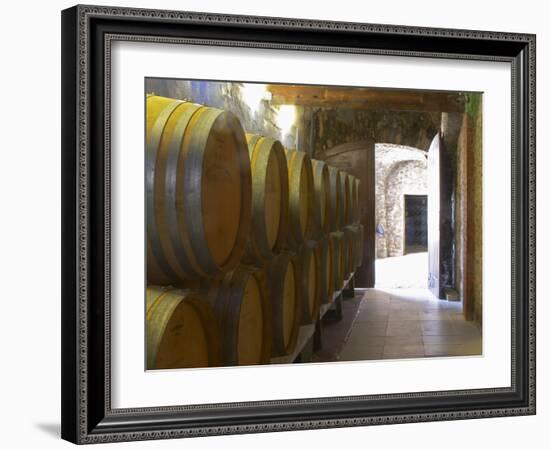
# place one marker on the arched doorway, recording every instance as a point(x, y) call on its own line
point(401, 200)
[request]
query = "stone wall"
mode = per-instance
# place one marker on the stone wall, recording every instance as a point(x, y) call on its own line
point(328, 128)
point(399, 170)
point(476, 247)
point(460, 211)
point(407, 177)
point(256, 116)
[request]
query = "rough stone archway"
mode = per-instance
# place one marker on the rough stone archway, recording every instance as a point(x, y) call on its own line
point(399, 170)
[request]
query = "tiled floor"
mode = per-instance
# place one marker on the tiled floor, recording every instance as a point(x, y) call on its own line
point(408, 323)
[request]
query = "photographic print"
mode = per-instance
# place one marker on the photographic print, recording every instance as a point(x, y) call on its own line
point(291, 223)
point(276, 224)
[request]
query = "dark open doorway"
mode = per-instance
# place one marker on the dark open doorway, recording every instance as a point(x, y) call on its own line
point(416, 223)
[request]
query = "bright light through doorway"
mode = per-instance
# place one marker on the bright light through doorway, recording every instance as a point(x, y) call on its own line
point(408, 271)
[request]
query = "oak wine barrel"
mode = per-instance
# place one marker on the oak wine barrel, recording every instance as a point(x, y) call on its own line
point(344, 188)
point(283, 285)
point(353, 212)
point(242, 308)
point(322, 210)
point(350, 238)
point(356, 233)
point(323, 252)
point(360, 245)
point(337, 238)
point(198, 190)
point(358, 200)
point(335, 199)
point(344, 254)
point(309, 265)
point(301, 199)
point(181, 330)
point(270, 220)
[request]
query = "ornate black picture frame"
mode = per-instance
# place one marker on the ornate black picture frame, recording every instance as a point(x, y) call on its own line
point(87, 34)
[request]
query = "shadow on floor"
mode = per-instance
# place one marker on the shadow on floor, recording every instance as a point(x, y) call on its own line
point(52, 429)
point(334, 333)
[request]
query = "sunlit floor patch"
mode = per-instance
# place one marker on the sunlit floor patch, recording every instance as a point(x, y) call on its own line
point(408, 271)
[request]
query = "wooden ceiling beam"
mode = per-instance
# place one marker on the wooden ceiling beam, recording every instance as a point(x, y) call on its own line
point(365, 98)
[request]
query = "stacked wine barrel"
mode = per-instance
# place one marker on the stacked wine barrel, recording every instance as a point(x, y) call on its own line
point(245, 239)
